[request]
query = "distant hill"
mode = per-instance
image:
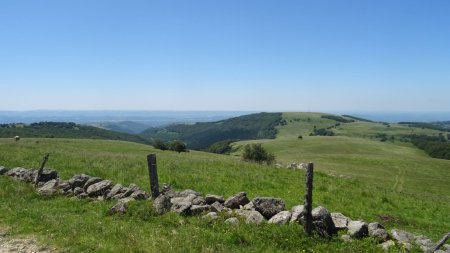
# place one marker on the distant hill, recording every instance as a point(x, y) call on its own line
point(64, 130)
point(203, 135)
point(131, 127)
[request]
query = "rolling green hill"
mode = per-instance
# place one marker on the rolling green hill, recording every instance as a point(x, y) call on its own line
point(204, 134)
point(392, 182)
point(64, 130)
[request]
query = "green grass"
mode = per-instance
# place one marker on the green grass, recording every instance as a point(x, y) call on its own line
point(393, 180)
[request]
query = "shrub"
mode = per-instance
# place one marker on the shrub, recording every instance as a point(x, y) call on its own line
point(159, 144)
point(256, 153)
point(178, 146)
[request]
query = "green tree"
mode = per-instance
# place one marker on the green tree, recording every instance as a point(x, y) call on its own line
point(256, 153)
point(159, 144)
point(178, 146)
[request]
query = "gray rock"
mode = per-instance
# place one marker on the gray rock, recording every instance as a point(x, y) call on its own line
point(117, 189)
point(98, 189)
point(237, 200)
point(64, 186)
point(297, 214)
point(78, 191)
point(3, 170)
point(249, 206)
point(126, 200)
point(268, 207)
point(377, 231)
point(187, 192)
point(139, 195)
point(199, 200)
point(217, 207)
point(22, 174)
point(323, 222)
point(232, 220)
point(425, 244)
point(340, 221)
point(130, 190)
point(91, 181)
point(181, 205)
point(387, 245)
point(211, 216)
point(49, 188)
point(198, 209)
point(119, 208)
point(162, 204)
point(213, 198)
point(282, 217)
point(83, 195)
point(402, 236)
point(357, 229)
point(78, 180)
point(254, 217)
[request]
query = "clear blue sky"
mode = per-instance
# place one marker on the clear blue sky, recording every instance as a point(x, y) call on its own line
point(225, 55)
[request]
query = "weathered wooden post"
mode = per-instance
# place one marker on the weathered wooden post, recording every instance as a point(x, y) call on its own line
point(153, 174)
point(39, 173)
point(440, 243)
point(308, 199)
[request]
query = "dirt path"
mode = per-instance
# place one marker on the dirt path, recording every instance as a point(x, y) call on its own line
point(22, 245)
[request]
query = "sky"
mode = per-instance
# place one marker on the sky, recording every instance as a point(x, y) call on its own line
point(321, 55)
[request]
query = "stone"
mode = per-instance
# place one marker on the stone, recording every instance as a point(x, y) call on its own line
point(49, 188)
point(119, 208)
point(340, 221)
point(251, 217)
point(357, 229)
point(232, 220)
point(78, 191)
point(64, 186)
point(78, 180)
point(297, 214)
point(126, 200)
point(3, 170)
point(211, 216)
point(254, 217)
point(117, 189)
point(162, 204)
point(98, 189)
point(139, 195)
point(268, 207)
point(199, 200)
point(198, 209)
point(402, 236)
point(83, 195)
point(217, 207)
point(425, 243)
point(249, 206)
point(21, 174)
point(282, 217)
point(91, 181)
point(213, 198)
point(237, 200)
point(130, 190)
point(388, 244)
point(323, 222)
point(187, 192)
point(377, 231)
point(181, 205)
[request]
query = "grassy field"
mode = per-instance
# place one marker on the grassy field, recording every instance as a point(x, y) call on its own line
point(393, 183)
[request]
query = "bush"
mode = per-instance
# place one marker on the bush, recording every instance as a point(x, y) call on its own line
point(178, 146)
point(256, 153)
point(159, 144)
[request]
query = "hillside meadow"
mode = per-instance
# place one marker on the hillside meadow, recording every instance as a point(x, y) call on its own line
point(82, 226)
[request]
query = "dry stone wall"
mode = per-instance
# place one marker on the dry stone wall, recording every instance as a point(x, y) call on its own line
point(238, 207)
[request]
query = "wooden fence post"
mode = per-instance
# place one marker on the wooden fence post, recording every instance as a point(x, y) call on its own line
point(39, 173)
point(308, 199)
point(153, 174)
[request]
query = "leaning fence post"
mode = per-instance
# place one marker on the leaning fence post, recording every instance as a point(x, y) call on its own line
point(39, 173)
point(153, 174)
point(308, 198)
